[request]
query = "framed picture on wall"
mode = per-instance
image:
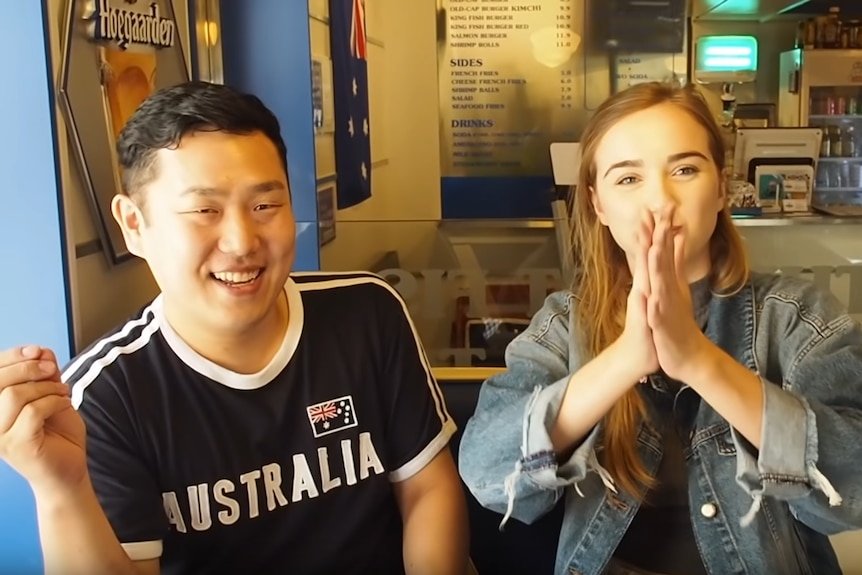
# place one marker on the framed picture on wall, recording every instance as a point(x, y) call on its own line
point(321, 95)
point(326, 214)
point(317, 95)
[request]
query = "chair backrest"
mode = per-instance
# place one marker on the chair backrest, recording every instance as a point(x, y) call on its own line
point(519, 549)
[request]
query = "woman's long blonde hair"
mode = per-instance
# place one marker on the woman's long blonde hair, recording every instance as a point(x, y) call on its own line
point(603, 279)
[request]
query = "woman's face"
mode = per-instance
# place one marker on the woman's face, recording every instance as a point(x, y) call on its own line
point(652, 160)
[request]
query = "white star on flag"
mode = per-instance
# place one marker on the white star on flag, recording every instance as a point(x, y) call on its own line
point(355, 87)
point(365, 126)
point(350, 126)
point(364, 172)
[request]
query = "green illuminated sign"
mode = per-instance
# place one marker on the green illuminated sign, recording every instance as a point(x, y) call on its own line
point(726, 54)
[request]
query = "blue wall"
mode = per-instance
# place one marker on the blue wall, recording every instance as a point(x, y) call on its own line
point(34, 302)
point(266, 51)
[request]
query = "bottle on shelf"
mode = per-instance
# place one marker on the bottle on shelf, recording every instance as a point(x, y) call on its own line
point(836, 142)
point(848, 142)
point(830, 32)
point(826, 142)
point(809, 34)
point(854, 34)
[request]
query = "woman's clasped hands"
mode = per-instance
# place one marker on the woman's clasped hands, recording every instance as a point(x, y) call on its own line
point(661, 332)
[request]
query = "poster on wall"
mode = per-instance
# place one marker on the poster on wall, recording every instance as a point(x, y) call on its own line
point(326, 214)
point(116, 53)
point(321, 95)
point(317, 94)
point(515, 76)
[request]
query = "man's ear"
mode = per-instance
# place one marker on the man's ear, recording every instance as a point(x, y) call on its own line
point(131, 221)
point(597, 206)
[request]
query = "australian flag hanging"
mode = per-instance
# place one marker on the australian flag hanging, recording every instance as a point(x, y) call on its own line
point(349, 46)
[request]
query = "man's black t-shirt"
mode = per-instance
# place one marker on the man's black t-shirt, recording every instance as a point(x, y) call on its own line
point(284, 471)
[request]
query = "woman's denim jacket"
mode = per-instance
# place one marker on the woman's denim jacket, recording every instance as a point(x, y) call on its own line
point(763, 513)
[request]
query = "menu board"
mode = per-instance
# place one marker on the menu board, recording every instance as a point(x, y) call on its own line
point(514, 77)
point(506, 85)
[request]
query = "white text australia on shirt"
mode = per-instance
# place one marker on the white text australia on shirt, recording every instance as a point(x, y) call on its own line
point(264, 489)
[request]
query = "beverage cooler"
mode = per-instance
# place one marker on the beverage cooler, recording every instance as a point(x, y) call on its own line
point(823, 89)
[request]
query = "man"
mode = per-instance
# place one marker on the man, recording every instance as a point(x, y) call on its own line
point(246, 421)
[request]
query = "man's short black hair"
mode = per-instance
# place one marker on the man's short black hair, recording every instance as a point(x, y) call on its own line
point(169, 114)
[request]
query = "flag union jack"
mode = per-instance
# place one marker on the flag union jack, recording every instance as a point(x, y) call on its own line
point(358, 40)
point(331, 416)
point(322, 412)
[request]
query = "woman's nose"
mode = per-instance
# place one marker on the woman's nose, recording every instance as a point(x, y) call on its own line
point(661, 197)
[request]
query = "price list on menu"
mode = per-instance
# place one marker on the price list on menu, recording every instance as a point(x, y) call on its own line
point(510, 84)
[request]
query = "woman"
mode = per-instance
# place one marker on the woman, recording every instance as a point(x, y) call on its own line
point(707, 419)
